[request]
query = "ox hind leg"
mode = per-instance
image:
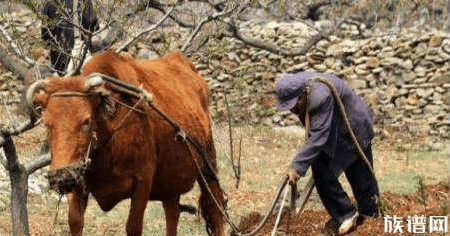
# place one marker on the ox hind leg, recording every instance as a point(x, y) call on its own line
point(211, 199)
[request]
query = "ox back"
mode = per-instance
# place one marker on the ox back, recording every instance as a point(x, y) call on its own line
point(133, 152)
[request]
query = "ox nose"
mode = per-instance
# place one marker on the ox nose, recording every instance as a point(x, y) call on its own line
point(62, 183)
point(67, 179)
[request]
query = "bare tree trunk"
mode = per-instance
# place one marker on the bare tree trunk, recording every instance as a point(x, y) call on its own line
point(18, 175)
point(19, 188)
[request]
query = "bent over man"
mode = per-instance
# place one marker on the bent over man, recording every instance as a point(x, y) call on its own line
point(329, 149)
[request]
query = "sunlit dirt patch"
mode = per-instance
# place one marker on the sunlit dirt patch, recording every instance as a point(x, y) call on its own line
point(310, 221)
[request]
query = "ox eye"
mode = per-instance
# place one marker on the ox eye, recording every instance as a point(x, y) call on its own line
point(48, 125)
point(86, 125)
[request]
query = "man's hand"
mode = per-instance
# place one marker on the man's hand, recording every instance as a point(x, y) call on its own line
point(292, 175)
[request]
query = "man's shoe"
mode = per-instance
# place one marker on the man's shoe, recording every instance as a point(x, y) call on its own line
point(348, 224)
point(363, 217)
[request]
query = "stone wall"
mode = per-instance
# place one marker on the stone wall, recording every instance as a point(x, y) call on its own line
point(403, 76)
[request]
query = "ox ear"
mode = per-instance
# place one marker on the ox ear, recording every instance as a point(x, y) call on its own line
point(95, 84)
point(41, 99)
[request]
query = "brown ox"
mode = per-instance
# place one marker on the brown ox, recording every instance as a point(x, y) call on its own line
point(112, 145)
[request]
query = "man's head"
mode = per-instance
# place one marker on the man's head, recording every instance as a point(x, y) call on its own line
point(290, 94)
point(300, 106)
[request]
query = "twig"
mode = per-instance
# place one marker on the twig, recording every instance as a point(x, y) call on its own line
point(151, 28)
point(114, 34)
point(8, 113)
point(178, 21)
point(14, 46)
point(203, 22)
point(12, 66)
point(236, 168)
point(87, 45)
point(15, 67)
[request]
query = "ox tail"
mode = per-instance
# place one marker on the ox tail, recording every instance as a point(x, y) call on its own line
point(212, 200)
point(211, 203)
point(188, 208)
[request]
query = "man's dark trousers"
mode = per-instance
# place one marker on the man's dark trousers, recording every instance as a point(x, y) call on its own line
point(334, 198)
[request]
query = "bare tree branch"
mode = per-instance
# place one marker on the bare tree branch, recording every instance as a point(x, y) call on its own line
point(203, 22)
point(220, 6)
point(14, 46)
point(160, 8)
point(15, 68)
point(151, 28)
point(7, 110)
point(234, 30)
point(236, 167)
point(40, 162)
point(32, 5)
point(17, 130)
point(114, 34)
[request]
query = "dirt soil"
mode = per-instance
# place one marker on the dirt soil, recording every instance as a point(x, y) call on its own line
point(310, 221)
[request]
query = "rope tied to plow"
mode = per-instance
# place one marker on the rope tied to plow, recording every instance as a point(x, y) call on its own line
point(346, 121)
point(146, 96)
point(142, 94)
point(347, 125)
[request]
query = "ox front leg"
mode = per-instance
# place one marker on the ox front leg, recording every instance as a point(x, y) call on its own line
point(77, 208)
point(137, 210)
point(172, 212)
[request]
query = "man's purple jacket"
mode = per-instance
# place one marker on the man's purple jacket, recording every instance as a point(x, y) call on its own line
point(327, 133)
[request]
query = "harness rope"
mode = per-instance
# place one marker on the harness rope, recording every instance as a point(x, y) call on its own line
point(345, 120)
point(82, 165)
point(310, 185)
point(142, 94)
point(131, 109)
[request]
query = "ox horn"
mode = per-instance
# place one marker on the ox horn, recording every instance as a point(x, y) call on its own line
point(29, 96)
point(94, 80)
